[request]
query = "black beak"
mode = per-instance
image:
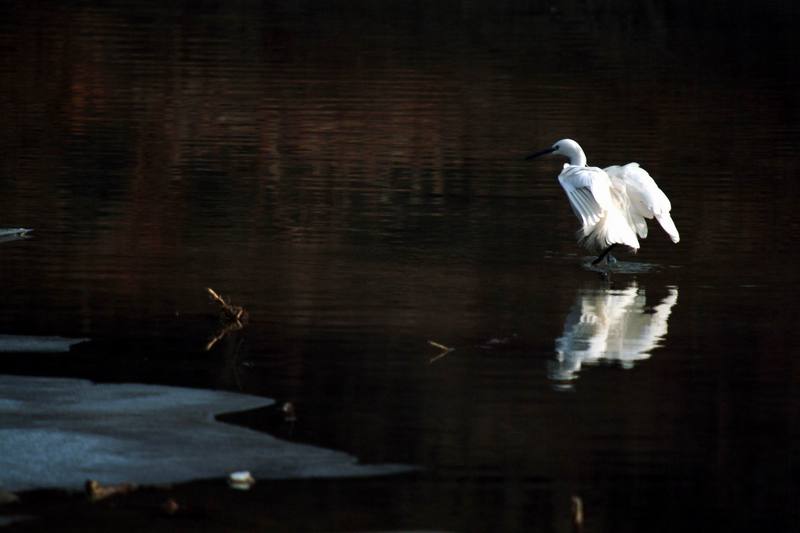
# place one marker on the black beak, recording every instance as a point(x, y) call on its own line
point(540, 152)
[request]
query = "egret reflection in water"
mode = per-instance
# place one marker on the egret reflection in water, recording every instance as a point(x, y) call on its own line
point(614, 325)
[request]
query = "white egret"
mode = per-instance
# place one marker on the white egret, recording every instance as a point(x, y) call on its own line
point(611, 203)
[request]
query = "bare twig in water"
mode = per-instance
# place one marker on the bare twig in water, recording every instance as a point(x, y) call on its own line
point(232, 318)
point(445, 350)
point(96, 492)
point(224, 330)
point(230, 313)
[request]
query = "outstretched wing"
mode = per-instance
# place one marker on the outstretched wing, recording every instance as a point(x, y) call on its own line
point(645, 199)
point(596, 204)
point(588, 192)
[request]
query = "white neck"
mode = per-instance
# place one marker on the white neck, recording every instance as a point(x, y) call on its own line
point(573, 152)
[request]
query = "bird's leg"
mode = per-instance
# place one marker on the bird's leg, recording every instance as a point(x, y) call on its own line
point(602, 255)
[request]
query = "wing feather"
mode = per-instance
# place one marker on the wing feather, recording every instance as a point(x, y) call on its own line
point(587, 192)
point(669, 226)
point(598, 207)
point(584, 206)
point(644, 198)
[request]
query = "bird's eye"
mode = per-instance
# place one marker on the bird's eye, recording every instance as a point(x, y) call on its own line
point(556, 147)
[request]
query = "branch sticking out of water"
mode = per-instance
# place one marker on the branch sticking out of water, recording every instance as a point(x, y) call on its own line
point(444, 351)
point(233, 313)
point(221, 332)
point(232, 318)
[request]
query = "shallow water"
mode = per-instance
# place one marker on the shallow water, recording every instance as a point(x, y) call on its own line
point(355, 179)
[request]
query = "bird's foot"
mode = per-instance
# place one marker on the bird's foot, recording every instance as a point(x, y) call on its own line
point(605, 254)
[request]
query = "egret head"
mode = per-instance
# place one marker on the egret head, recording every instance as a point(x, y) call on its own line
point(566, 147)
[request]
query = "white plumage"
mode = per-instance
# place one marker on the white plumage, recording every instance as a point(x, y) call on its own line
point(611, 203)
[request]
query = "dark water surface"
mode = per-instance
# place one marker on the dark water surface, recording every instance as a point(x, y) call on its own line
point(354, 178)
